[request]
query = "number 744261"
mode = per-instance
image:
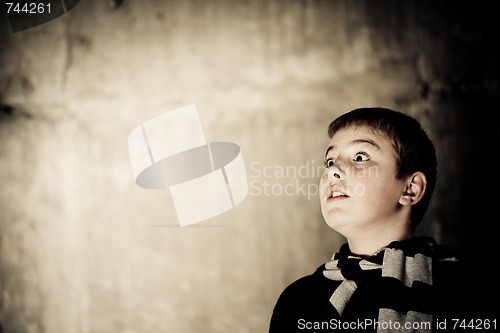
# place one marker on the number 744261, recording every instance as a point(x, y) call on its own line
point(28, 8)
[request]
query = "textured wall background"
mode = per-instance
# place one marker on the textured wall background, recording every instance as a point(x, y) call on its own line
point(85, 250)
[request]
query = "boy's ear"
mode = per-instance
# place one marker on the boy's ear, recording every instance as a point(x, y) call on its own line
point(415, 188)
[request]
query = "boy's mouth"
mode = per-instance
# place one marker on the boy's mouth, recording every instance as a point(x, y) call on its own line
point(335, 193)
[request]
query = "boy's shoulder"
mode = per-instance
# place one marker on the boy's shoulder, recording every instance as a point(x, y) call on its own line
point(302, 300)
point(312, 284)
point(462, 289)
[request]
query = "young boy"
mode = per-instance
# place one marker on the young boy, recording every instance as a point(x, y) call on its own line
point(380, 172)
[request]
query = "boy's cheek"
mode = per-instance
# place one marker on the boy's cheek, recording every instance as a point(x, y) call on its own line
point(323, 184)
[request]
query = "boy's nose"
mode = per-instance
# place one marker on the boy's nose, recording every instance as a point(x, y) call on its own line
point(332, 173)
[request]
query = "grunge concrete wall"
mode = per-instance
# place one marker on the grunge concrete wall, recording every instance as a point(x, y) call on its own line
point(83, 249)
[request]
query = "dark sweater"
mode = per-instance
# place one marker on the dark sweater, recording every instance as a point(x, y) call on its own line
point(459, 294)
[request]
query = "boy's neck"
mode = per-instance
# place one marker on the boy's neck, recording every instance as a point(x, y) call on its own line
point(372, 243)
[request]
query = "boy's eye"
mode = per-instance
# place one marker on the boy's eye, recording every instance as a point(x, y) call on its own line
point(329, 162)
point(360, 157)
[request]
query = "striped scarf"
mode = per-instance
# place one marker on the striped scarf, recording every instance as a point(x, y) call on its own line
point(403, 272)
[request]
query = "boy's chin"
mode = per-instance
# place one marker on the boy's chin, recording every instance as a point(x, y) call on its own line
point(334, 224)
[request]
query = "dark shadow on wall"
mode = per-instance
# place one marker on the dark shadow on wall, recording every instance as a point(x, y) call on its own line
point(466, 87)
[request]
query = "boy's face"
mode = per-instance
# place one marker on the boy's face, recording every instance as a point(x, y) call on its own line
point(359, 191)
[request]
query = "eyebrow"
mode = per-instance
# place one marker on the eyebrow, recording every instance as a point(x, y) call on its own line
point(356, 142)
